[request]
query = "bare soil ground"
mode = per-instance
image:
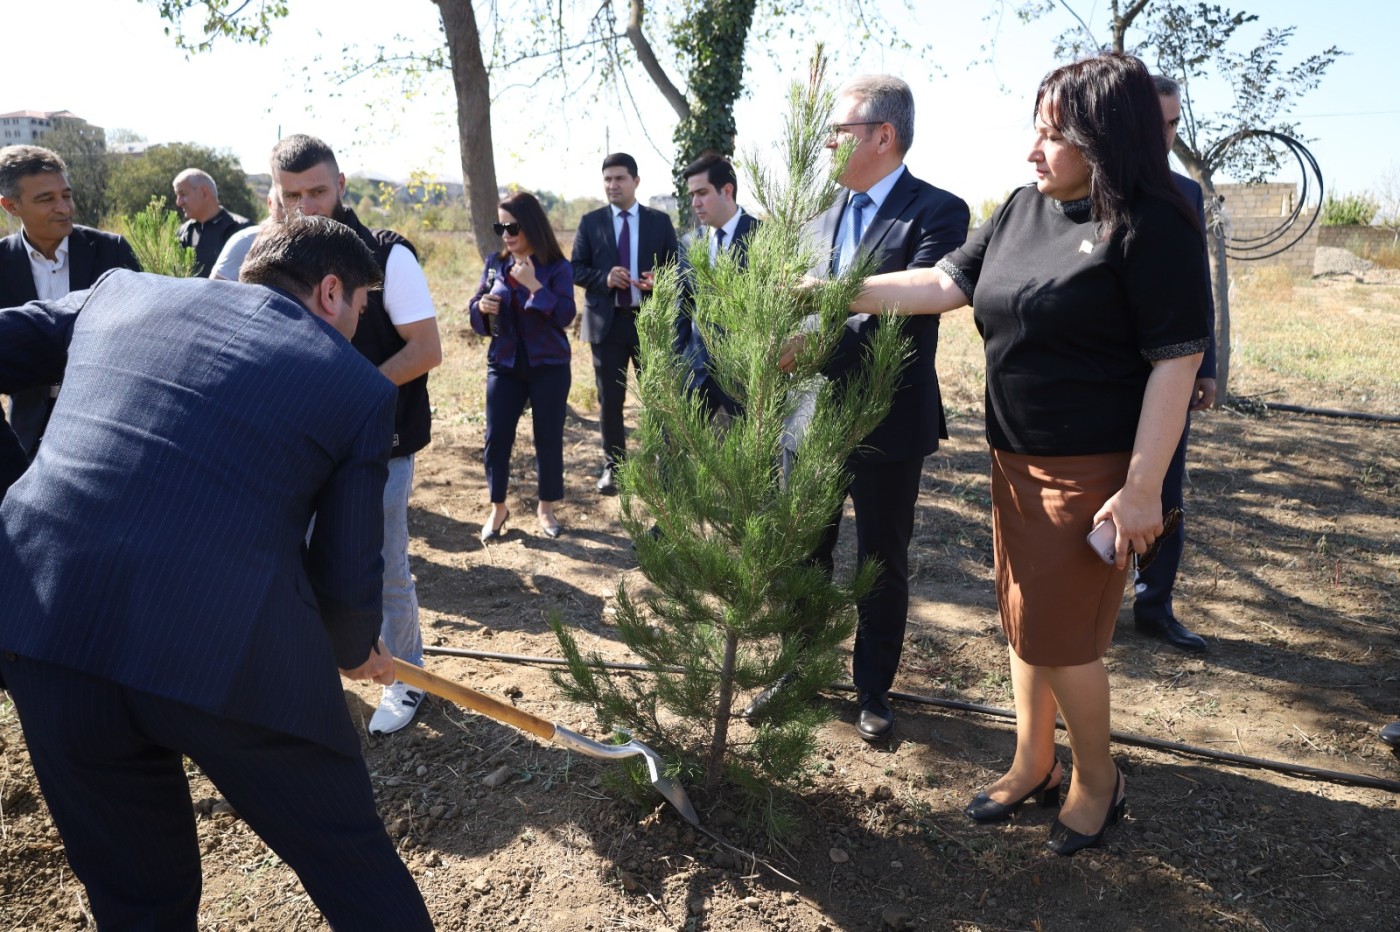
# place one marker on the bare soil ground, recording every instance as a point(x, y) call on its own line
point(1292, 574)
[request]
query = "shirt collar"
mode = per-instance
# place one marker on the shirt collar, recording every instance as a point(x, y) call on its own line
point(60, 255)
point(632, 211)
point(881, 189)
point(731, 226)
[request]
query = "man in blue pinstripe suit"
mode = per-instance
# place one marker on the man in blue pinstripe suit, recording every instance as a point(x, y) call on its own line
point(159, 598)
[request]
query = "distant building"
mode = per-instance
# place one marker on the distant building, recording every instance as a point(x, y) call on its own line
point(28, 127)
point(666, 203)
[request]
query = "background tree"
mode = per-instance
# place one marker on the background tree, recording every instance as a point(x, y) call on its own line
point(731, 596)
point(1195, 44)
point(577, 44)
point(135, 179)
point(85, 152)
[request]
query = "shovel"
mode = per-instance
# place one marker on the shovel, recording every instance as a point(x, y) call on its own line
point(505, 712)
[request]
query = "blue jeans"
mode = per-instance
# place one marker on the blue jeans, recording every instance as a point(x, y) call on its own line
point(400, 629)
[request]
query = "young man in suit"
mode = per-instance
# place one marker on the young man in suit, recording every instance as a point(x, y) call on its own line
point(1153, 614)
point(399, 334)
point(713, 185)
point(615, 251)
point(161, 598)
point(49, 257)
point(905, 223)
point(208, 224)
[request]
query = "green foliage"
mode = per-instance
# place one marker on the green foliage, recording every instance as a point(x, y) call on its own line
point(711, 39)
point(136, 179)
point(1349, 210)
point(230, 19)
point(154, 235)
point(731, 598)
point(82, 147)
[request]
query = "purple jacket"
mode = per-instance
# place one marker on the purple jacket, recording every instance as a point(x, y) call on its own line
point(539, 320)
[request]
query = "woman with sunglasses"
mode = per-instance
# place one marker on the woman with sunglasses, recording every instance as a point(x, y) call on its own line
point(1088, 288)
point(524, 303)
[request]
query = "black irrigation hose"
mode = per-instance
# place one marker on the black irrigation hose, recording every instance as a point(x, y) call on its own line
point(1251, 406)
point(1122, 737)
point(1247, 249)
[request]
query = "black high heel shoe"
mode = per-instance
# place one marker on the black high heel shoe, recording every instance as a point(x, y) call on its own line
point(982, 809)
point(1065, 841)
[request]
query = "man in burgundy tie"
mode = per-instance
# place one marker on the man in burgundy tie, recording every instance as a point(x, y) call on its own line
point(614, 253)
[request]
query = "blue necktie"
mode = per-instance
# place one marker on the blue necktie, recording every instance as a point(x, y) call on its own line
point(857, 229)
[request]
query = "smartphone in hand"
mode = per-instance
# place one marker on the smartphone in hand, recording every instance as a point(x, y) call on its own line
point(1103, 540)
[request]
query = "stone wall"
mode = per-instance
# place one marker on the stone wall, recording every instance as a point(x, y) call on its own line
point(1364, 241)
point(1253, 211)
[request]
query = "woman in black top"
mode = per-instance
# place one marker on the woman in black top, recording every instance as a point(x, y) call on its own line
point(1087, 290)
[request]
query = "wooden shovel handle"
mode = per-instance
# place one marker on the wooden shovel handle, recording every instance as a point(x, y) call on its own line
point(477, 701)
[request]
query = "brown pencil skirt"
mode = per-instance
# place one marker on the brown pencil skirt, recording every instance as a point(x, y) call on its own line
point(1058, 600)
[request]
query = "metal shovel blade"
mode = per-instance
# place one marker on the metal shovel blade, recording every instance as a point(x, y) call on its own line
point(674, 793)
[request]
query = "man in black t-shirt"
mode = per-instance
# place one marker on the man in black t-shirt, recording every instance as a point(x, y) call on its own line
point(209, 224)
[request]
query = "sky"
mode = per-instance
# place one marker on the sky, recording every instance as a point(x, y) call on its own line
point(974, 81)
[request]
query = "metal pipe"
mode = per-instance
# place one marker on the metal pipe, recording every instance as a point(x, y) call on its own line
point(1122, 737)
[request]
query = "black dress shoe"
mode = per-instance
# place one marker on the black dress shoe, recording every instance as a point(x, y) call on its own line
point(1390, 734)
point(1066, 842)
point(876, 718)
point(983, 810)
point(607, 484)
point(754, 710)
point(1173, 632)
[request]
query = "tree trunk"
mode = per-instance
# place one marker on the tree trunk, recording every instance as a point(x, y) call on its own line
point(1199, 170)
point(473, 91)
point(714, 768)
point(1220, 285)
point(642, 46)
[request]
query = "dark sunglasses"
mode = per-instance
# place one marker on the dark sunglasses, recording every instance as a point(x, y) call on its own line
point(502, 228)
point(1170, 522)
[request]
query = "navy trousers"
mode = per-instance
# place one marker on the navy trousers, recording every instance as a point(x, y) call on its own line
point(1153, 589)
point(546, 388)
point(610, 359)
point(884, 496)
point(109, 761)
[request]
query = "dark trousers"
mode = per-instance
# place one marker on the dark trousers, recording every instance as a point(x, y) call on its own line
point(109, 761)
point(1153, 600)
point(546, 388)
point(884, 495)
point(610, 358)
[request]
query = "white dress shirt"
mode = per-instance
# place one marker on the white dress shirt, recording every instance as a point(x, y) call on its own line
point(50, 275)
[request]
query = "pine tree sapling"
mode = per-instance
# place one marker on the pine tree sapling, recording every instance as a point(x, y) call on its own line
point(730, 595)
point(154, 235)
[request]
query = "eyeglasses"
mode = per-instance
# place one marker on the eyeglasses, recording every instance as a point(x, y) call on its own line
point(836, 129)
point(501, 228)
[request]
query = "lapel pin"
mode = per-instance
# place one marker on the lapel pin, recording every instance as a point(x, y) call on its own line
point(1086, 247)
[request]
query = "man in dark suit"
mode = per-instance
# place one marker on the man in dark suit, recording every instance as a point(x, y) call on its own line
point(615, 251)
point(713, 185)
point(49, 257)
point(1153, 614)
point(161, 599)
point(208, 224)
point(905, 223)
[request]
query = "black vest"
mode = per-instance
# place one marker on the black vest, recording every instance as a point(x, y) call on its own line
point(377, 340)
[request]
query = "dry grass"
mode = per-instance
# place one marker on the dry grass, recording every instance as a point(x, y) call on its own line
point(1332, 344)
point(1314, 342)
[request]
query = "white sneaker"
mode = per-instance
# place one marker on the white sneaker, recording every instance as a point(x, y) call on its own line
point(396, 708)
